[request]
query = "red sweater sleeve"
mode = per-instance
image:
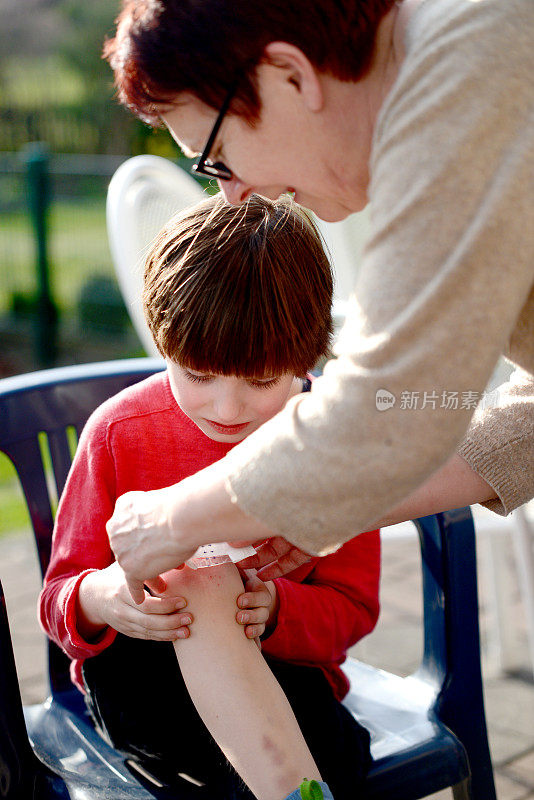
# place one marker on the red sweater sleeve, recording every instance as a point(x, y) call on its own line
point(80, 542)
point(333, 607)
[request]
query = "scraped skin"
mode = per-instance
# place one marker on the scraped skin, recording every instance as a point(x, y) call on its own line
point(233, 689)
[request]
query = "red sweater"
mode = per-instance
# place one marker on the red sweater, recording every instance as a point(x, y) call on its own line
point(140, 439)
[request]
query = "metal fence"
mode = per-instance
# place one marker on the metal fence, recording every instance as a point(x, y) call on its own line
point(57, 280)
point(76, 227)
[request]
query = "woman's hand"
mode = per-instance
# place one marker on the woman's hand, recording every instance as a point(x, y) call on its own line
point(104, 599)
point(141, 536)
point(152, 532)
point(258, 604)
point(274, 557)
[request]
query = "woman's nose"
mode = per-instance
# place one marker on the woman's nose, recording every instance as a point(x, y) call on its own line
point(235, 191)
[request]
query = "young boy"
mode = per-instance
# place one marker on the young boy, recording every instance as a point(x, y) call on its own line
point(238, 300)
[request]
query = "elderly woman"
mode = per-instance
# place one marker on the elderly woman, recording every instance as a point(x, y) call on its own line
point(424, 109)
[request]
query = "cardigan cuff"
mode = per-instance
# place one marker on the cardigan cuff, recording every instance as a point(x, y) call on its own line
point(500, 469)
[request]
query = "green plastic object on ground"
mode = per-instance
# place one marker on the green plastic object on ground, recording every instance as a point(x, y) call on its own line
point(310, 790)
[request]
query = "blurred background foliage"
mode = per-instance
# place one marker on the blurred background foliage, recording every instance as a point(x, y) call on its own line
point(56, 89)
point(55, 86)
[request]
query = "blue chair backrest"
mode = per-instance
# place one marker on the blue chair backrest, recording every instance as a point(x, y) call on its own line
point(50, 402)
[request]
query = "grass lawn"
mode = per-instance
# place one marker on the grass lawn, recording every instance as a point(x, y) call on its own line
point(78, 249)
point(13, 516)
point(13, 513)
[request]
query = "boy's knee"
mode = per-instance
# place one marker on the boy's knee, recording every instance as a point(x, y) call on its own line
point(192, 583)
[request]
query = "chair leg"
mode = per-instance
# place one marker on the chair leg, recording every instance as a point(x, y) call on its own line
point(463, 791)
point(523, 540)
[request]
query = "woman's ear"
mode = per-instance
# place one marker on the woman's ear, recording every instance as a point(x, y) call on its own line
point(298, 71)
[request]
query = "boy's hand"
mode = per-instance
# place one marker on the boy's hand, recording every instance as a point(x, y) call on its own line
point(104, 599)
point(258, 605)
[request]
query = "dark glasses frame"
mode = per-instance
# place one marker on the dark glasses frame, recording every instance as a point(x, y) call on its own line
point(209, 168)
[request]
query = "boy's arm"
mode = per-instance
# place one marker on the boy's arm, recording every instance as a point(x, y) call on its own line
point(332, 609)
point(85, 600)
point(80, 545)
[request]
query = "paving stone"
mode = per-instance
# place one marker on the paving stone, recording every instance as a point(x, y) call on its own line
point(510, 707)
point(523, 769)
point(396, 648)
point(508, 789)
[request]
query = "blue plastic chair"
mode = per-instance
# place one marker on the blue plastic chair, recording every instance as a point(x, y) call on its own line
point(428, 730)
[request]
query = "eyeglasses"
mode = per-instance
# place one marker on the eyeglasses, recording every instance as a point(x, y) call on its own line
point(209, 168)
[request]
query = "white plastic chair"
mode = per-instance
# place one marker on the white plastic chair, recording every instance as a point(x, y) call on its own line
point(146, 191)
point(344, 242)
point(143, 194)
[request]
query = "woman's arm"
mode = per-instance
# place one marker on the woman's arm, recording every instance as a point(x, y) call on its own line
point(234, 690)
point(184, 528)
point(454, 485)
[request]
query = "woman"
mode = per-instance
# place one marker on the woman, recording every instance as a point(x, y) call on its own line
point(424, 109)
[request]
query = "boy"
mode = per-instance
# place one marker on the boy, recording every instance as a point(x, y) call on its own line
point(238, 301)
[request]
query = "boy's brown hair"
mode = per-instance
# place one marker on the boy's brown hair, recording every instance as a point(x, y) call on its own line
point(163, 48)
point(240, 290)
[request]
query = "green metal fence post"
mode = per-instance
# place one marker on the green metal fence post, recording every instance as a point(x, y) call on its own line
point(37, 164)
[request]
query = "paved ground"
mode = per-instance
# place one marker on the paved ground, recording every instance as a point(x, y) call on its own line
point(395, 645)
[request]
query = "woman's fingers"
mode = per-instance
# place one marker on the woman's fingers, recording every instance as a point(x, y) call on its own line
point(286, 563)
point(156, 585)
point(275, 558)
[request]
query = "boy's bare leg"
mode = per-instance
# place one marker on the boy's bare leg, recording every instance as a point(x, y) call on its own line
point(233, 689)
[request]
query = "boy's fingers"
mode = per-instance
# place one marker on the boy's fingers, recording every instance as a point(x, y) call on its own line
point(163, 622)
point(158, 636)
point(254, 599)
point(254, 631)
point(255, 615)
point(253, 581)
point(163, 605)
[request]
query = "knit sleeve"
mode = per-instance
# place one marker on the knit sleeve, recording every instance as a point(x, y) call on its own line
point(444, 276)
point(499, 444)
point(333, 608)
point(80, 543)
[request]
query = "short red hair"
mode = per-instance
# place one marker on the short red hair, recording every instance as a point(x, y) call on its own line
point(240, 290)
point(165, 47)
